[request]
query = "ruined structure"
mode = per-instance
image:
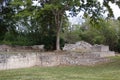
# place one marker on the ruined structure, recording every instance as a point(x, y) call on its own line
point(80, 46)
point(84, 47)
point(46, 59)
point(16, 48)
point(80, 53)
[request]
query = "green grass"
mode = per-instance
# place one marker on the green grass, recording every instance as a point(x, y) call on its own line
point(109, 71)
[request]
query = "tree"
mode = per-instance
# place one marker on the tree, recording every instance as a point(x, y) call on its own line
point(6, 18)
point(57, 8)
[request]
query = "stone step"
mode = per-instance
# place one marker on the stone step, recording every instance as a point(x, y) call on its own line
point(89, 61)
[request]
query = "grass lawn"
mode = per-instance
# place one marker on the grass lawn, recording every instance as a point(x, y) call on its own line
point(109, 71)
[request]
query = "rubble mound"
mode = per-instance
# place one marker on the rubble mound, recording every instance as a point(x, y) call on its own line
point(84, 47)
point(80, 46)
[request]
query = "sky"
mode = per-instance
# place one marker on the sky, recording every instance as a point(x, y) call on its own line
point(116, 10)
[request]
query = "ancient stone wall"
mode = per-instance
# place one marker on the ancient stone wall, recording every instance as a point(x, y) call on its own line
point(16, 48)
point(99, 48)
point(80, 53)
point(43, 59)
point(84, 47)
point(17, 60)
point(80, 46)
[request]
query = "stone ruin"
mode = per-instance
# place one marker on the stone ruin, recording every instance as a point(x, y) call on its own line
point(84, 47)
point(80, 46)
point(80, 53)
point(16, 48)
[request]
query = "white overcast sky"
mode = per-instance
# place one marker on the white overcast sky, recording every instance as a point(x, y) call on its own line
point(116, 10)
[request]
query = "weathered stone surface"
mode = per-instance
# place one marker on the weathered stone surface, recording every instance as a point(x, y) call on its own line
point(38, 47)
point(5, 48)
point(80, 53)
point(102, 50)
point(105, 53)
point(99, 48)
point(49, 59)
point(22, 60)
point(84, 47)
point(8, 48)
point(80, 46)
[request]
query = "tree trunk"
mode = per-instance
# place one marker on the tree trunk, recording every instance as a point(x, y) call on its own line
point(58, 40)
point(58, 21)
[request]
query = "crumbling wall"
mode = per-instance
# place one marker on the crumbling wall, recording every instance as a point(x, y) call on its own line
point(17, 60)
point(45, 59)
point(80, 53)
point(84, 47)
point(16, 48)
point(80, 46)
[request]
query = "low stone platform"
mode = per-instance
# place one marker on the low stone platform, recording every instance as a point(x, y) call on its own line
point(16, 48)
point(84, 47)
point(105, 53)
point(80, 53)
point(45, 59)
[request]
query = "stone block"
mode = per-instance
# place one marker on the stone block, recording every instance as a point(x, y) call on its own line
point(99, 48)
point(38, 47)
point(105, 53)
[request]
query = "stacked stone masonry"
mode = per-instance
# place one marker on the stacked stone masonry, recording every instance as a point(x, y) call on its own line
point(44, 59)
point(16, 48)
point(80, 53)
point(84, 47)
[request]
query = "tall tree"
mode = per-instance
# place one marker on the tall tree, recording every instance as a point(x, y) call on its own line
point(57, 8)
point(90, 7)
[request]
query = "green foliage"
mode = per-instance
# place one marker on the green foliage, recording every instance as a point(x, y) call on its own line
point(92, 36)
point(6, 19)
point(108, 33)
point(3, 30)
point(71, 34)
point(42, 24)
point(51, 13)
point(15, 39)
point(98, 39)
